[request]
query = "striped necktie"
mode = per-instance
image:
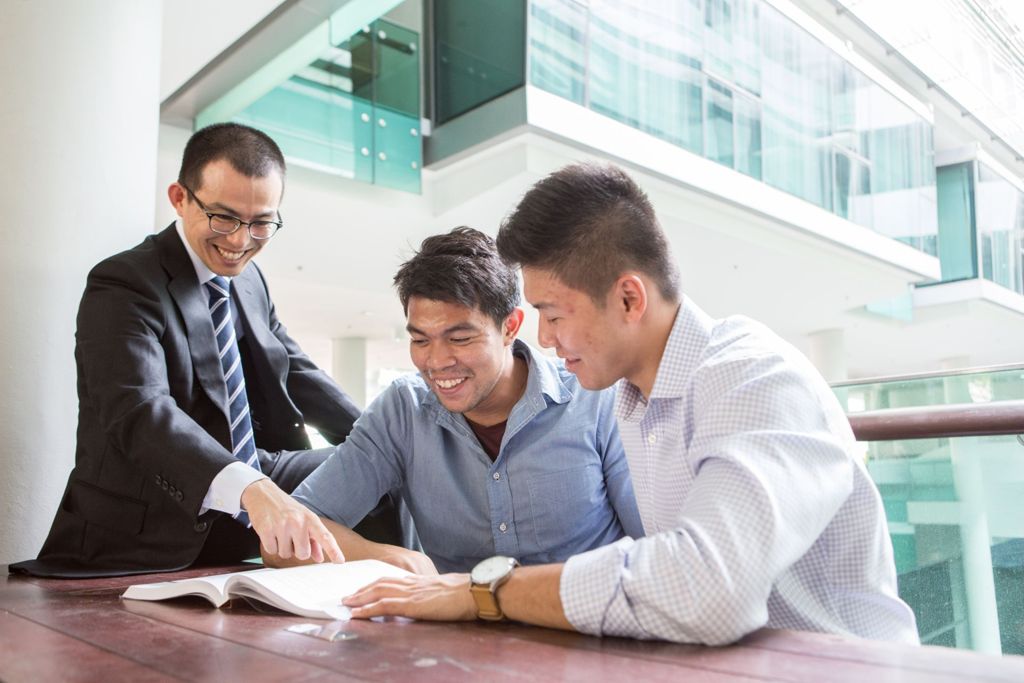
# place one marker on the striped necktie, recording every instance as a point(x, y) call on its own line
point(244, 448)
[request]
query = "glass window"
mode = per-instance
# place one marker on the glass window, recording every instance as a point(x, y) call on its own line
point(718, 131)
point(796, 156)
point(741, 84)
point(748, 135)
point(1000, 227)
point(558, 59)
point(957, 244)
point(480, 52)
point(644, 67)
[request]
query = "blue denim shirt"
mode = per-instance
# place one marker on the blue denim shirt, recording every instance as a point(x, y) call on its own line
point(559, 486)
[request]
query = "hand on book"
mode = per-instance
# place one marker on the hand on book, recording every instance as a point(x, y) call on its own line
point(285, 527)
point(437, 598)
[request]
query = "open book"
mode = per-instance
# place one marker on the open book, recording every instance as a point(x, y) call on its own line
point(314, 590)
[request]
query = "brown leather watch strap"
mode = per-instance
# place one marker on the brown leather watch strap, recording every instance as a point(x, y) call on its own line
point(487, 607)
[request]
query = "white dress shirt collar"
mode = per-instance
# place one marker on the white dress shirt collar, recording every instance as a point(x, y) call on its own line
point(202, 272)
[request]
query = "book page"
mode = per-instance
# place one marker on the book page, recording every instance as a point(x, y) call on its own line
point(209, 587)
point(314, 590)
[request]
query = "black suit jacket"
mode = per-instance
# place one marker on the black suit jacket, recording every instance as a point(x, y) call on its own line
point(152, 421)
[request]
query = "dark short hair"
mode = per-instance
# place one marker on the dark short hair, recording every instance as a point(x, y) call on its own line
point(460, 267)
point(588, 224)
point(249, 151)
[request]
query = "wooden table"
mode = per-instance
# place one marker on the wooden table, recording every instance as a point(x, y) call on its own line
point(82, 631)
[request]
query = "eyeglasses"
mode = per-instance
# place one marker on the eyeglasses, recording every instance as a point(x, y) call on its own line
point(223, 224)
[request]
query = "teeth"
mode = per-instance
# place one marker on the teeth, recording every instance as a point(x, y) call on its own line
point(230, 255)
point(449, 383)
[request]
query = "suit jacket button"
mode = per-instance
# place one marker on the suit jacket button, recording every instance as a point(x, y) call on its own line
point(200, 526)
point(179, 495)
point(158, 479)
point(171, 490)
point(164, 485)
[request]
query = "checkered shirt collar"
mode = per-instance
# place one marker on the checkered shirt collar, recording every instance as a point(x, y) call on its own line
point(687, 341)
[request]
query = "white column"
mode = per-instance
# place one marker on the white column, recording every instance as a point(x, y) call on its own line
point(828, 353)
point(78, 130)
point(349, 366)
point(975, 538)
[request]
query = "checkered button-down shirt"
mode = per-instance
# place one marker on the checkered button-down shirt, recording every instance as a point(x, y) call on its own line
point(756, 510)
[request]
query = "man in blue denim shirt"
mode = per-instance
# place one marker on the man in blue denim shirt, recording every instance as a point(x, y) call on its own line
point(494, 447)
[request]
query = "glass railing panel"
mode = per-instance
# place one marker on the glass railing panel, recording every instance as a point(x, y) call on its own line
point(955, 509)
point(557, 48)
point(1000, 228)
point(797, 111)
point(742, 84)
point(1004, 383)
point(886, 176)
point(348, 105)
point(398, 149)
point(643, 66)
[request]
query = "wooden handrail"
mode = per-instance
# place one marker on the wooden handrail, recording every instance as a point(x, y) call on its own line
point(932, 422)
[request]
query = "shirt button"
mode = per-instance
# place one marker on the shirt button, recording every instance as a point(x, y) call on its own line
point(496, 476)
point(651, 439)
point(503, 527)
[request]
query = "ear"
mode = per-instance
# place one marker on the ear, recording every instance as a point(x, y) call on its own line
point(513, 322)
point(630, 296)
point(176, 193)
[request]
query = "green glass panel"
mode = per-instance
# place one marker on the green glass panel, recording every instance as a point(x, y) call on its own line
point(385, 67)
point(644, 68)
point(718, 132)
point(1003, 384)
point(558, 59)
point(957, 243)
point(748, 136)
point(1000, 228)
point(852, 192)
point(955, 509)
point(398, 150)
point(732, 42)
point(795, 101)
point(353, 110)
point(897, 307)
point(956, 514)
point(480, 52)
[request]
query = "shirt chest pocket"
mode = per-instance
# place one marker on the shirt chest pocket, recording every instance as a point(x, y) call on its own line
point(565, 505)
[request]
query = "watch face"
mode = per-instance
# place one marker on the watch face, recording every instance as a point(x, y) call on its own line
point(491, 569)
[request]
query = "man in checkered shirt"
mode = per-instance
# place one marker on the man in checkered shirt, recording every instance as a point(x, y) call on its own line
point(756, 510)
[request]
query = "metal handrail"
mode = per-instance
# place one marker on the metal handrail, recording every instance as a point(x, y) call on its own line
point(935, 374)
point(934, 422)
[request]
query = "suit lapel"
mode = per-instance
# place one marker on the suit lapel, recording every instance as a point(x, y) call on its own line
point(251, 299)
point(248, 303)
point(195, 311)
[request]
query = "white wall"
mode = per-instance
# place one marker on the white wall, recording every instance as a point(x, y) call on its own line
point(78, 130)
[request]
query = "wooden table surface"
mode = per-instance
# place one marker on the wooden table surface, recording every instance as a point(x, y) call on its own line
point(81, 630)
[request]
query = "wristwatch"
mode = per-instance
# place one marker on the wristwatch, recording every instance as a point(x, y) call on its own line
point(484, 581)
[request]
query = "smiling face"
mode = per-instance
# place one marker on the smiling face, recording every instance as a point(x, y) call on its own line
point(224, 190)
point(462, 354)
point(590, 338)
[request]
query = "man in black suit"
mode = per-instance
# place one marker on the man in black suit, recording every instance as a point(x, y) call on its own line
point(182, 425)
